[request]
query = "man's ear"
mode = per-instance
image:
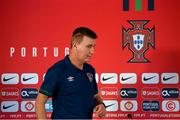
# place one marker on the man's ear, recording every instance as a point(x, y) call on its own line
point(75, 45)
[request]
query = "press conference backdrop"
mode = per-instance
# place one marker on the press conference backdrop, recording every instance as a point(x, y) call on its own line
point(136, 59)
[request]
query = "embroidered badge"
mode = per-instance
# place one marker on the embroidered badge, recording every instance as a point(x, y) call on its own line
point(90, 76)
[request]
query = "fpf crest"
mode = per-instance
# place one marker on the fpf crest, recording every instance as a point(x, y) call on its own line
point(138, 39)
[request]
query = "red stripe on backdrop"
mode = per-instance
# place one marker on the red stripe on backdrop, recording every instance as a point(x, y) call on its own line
point(132, 5)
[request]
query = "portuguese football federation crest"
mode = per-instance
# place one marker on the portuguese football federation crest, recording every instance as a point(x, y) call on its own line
point(138, 39)
point(90, 76)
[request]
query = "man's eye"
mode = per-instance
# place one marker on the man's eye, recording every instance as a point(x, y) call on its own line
point(89, 46)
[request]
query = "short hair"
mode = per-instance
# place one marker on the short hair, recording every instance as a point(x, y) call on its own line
point(79, 32)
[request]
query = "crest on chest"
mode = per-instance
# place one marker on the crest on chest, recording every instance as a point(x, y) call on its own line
point(90, 76)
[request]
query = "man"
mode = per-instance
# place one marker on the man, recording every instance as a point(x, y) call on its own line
point(71, 82)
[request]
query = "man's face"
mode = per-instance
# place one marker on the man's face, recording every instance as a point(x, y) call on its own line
point(85, 49)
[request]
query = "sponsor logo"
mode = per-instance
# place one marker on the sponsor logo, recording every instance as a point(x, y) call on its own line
point(70, 78)
point(49, 106)
point(111, 105)
point(138, 39)
point(105, 79)
point(170, 105)
point(109, 92)
point(9, 106)
point(128, 78)
point(170, 93)
point(9, 93)
point(26, 79)
point(151, 105)
point(10, 78)
point(7, 79)
point(29, 78)
point(124, 79)
point(28, 106)
point(128, 105)
point(170, 78)
point(150, 78)
point(29, 93)
point(128, 93)
point(97, 78)
point(6, 107)
point(108, 78)
point(152, 93)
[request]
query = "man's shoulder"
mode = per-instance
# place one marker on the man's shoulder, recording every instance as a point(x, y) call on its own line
point(57, 66)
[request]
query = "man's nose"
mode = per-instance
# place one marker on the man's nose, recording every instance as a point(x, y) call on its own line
point(92, 50)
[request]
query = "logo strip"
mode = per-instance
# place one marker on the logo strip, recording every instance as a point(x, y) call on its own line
point(150, 5)
point(138, 5)
point(125, 5)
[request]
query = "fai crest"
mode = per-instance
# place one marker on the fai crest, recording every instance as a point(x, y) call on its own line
point(138, 39)
point(90, 76)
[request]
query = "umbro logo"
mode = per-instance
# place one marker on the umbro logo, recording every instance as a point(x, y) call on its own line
point(70, 78)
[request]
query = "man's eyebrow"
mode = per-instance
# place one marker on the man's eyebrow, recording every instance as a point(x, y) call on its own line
point(89, 45)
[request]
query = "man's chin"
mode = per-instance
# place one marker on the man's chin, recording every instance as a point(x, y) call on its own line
point(87, 59)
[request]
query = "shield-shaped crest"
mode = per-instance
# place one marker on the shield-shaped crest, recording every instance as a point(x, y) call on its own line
point(90, 76)
point(138, 41)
